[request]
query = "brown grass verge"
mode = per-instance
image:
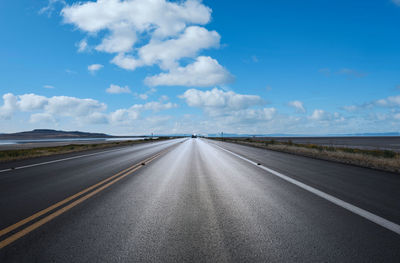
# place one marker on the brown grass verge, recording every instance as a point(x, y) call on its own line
point(376, 159)
point(20, 154)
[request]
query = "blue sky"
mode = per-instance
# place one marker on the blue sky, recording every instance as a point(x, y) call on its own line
point(136, 67)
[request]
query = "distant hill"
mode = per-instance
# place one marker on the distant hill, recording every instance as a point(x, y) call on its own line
point(50, 134)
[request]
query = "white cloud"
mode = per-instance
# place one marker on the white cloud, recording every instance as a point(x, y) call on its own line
point(163, 17)
point(30, 102)
point(115, 89)
point(204, 72)
point(392, 101)
point(128, 116)
point(188, 44)
point(168, 32)
point(48, 87)
point(127, 62)
point(51, 6)
point(84, 111)
point(94, 67)
point(123, 116)
point(121, 40)
point(298, 105)
point(154, 106)
point(318, 115)
point(145, 96)
point(397, 2)
point(389, 102)
point(219, 99)
point(9, 106)
point(83, 46)
point(57, 105)
point(250, 115)
point(229, 107)
point(41, 118)
point(73, 107)
point(321, 115)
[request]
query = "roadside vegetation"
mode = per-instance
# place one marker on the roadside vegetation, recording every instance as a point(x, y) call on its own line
point(19, 154)
point(385, 160)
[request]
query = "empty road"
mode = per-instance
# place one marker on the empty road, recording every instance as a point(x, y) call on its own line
point(196, 200)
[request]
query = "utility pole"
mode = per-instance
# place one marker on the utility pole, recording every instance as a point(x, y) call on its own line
point(222, 135)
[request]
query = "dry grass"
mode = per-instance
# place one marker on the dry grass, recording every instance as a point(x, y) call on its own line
point(12, 155)
point(376, 159)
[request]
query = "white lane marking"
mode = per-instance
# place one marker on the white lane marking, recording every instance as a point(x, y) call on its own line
point(352, 208)
point(59, 160)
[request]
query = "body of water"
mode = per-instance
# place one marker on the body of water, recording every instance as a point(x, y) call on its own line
point(11, 142)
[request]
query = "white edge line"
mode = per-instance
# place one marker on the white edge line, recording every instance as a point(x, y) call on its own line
point(352, 208)
point(59, 160)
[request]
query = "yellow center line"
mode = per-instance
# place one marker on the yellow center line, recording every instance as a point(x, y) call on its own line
point(30, 228)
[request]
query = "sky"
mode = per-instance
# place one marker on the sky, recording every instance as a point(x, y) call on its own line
point(131, 67)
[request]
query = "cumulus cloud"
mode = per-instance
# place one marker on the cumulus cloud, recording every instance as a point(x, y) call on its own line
point(228, 106)
point(94, 68)
point(318, 115)
point(89, 111)
point(9, 106)
point(219, 99)
point(73, 107)
point(115, 89)
point(127, 116)
point(321, 115)
point(298, 105)
point(41, 118)
point(167, 53)
point(164, 17)
point(57, 105)
point(146, 33)
point(204, 72)
point(30, 102)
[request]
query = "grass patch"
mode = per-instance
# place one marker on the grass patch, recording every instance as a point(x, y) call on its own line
point(385, 160)
point(19, 154)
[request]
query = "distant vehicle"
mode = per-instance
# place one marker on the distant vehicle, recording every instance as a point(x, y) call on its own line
point(194, 136)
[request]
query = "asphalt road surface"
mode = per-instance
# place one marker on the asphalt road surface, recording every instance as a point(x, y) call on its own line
point(196, 200)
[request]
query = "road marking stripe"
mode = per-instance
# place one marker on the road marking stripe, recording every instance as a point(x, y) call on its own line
point(352, 208)
point(56, 205)
point(50, 217)
point(52, 207)
point(58, 160)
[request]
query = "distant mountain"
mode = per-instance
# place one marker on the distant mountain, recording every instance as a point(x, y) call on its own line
point(50, 134)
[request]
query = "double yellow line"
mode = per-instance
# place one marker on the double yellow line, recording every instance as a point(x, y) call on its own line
point(83, 195)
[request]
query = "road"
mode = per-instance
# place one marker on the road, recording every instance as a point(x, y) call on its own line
point(197, 200)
